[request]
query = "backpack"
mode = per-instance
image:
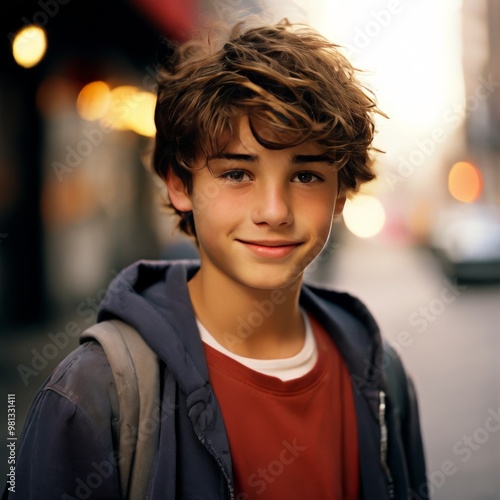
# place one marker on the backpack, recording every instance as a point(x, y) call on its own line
point(136, 372)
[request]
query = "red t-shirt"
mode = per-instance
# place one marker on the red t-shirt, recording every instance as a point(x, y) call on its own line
point(295, 439)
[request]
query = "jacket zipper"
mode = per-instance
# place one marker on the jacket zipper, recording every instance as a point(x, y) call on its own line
point(384, 444)
point(210, 448)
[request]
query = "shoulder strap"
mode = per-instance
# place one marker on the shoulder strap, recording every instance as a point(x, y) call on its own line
point(395, 381)
point(135, 370)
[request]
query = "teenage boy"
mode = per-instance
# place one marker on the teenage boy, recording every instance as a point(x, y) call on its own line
point(265, 391)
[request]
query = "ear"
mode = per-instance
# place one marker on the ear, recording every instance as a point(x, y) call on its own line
point(339, 204)
point(178, 192)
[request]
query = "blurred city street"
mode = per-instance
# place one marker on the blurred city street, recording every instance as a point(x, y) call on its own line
point(452, 351)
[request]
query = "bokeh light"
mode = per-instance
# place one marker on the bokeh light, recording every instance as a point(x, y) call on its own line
point(93, 101)
point(465, 182)
point(131, 108)
point(29, 46)
point(121, 105)
point(364, 216)
point(141, 119)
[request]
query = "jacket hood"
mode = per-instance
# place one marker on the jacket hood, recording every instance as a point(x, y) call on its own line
point(152, 296)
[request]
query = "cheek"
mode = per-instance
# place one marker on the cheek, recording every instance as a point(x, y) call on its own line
point(319, 209)
point(217, 200)
point(204, 195)
point(215, 214)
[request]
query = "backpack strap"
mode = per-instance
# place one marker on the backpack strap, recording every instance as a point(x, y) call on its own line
point(394, 387)
point(135, 369)
point(395, 381)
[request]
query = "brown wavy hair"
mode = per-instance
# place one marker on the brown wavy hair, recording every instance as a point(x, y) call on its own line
point(286, 76)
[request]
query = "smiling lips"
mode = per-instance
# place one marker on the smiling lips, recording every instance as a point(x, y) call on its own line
point(270, 248)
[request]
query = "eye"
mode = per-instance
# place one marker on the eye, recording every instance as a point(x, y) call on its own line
point(306, 178)
point(235, 176)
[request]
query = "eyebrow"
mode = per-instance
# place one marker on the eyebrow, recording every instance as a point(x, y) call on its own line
point(233, 156)
point(298, 159)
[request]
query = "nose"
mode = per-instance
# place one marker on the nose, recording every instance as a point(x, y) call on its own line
point(272, 206)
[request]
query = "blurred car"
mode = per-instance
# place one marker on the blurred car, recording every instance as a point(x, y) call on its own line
point(466, 239)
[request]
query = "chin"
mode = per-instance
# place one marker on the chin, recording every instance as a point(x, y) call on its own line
point(269, 282)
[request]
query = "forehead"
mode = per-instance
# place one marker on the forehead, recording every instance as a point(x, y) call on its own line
point(243, 139)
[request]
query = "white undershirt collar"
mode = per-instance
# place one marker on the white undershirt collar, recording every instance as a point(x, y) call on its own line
point(284, 369)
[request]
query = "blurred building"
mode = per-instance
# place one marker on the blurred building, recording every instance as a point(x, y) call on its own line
point(481, 44)
point(76, 200)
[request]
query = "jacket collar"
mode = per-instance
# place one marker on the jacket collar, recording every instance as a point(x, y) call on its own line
point(355, 334)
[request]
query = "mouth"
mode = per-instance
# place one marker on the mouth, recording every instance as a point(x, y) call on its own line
point(270, 248)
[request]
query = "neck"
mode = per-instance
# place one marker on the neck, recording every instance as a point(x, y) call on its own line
point(255, 323)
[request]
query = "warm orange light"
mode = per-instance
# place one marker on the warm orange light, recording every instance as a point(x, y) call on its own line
point(465, 182)
point(123, 104)
point(141, 119)
point(131, 109)
point(123, 108)
point(93, 101)
point(29, 46)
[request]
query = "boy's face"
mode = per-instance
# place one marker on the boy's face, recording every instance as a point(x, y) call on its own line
point(261, 215)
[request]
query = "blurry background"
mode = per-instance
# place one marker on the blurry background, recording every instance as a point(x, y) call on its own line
point(421, 245)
